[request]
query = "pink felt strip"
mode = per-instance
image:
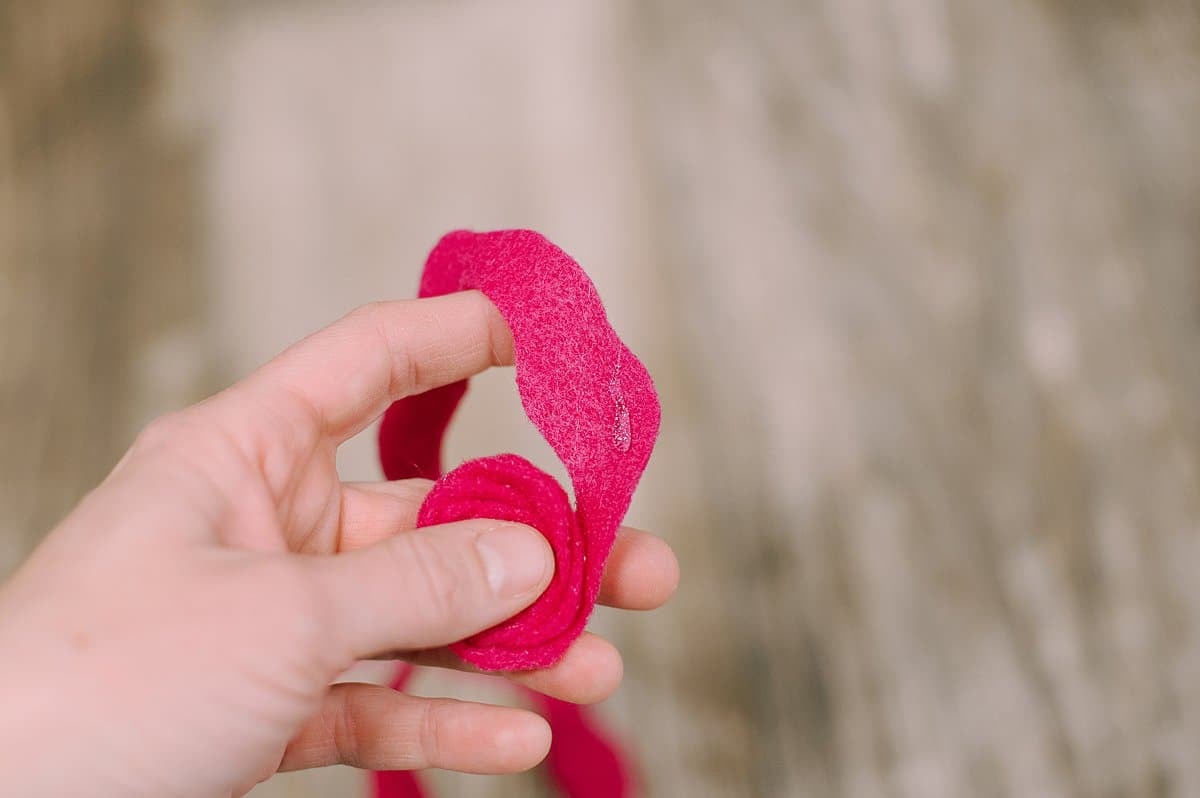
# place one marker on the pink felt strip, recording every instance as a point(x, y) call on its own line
point(583, 762)
point(595, 403)
point(590, 397)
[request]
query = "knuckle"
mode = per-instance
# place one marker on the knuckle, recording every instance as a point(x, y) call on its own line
point(430, 728)
point(408, 492)
point(163, 432)
point(433, 579)
point(369, 312)
point(403, 370)
point(371, 318)
point(346, 739)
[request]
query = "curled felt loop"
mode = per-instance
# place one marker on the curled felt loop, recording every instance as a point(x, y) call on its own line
point(595, 404)
point(584, 390)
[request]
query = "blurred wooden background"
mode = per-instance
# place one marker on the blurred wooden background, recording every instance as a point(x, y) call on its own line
point(919, 281)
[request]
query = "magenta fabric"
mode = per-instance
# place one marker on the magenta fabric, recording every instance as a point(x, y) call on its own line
point(511, 488)
point(588, 395)
point(583, 761)
point(596, 406)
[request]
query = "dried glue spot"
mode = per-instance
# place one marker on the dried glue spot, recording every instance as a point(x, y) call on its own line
point(622, 434)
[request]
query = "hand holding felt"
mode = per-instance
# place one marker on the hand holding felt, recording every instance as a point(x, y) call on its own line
point(587, 393)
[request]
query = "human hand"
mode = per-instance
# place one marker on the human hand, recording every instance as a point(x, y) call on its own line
point(177, 634)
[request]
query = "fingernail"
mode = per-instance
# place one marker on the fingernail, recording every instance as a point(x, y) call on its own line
point(516, 559)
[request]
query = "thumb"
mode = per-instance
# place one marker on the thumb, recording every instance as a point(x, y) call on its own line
point(433, 586)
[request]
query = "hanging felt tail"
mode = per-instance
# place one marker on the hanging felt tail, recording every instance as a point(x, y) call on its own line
point(583, 761)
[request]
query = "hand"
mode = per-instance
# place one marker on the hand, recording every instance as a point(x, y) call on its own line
point(177, 634)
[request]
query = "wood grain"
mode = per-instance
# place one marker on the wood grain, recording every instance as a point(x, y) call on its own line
point(100, 284)
point(951, 252)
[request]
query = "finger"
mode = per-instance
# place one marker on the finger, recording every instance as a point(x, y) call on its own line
point(432, 586)
point(368, 726)
point(589, 673)
point(641, 573)
point(342, 378)
point(375, 511)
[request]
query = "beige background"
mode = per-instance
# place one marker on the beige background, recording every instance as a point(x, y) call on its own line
point(919, 282)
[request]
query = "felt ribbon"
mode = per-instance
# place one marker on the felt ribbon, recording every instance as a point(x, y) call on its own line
point(596, 406)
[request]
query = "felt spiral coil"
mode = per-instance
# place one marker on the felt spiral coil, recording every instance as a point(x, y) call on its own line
point(510, 488)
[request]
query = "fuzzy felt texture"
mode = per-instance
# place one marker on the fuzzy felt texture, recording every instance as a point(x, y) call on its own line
point(583, 761)
point(510, 488)
point(584, 390)
point(595, 404)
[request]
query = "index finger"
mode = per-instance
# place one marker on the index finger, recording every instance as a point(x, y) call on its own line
point(343, 377)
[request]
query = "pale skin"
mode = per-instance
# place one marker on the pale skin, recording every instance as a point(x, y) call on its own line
point(178, 633)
